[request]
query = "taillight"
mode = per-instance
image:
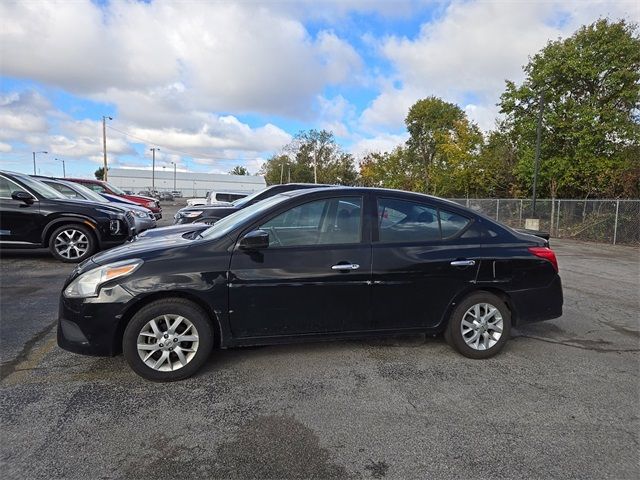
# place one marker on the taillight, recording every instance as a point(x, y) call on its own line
point(547, 254)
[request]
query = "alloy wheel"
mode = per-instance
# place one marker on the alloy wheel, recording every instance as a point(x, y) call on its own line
point(482, 326)
point(71, 244)
point(167, 342)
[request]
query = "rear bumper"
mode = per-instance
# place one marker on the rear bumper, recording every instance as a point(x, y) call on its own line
point(537, 304)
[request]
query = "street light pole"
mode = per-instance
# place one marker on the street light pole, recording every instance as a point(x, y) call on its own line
point(34, 160)
point(174, 175)
point(537, 161)
point(104, 145)
point(153, 169)
point(64, 172)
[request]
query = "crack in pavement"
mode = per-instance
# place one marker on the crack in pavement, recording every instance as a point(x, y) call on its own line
point(11, 366)
point(582, 347)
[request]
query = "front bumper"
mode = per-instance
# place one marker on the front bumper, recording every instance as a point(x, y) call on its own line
point(92, 326)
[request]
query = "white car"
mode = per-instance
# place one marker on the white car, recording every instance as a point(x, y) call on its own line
point(194, 202)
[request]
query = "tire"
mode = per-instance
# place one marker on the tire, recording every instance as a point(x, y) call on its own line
point(72, 243)
point(193, 337)
point(479, 339)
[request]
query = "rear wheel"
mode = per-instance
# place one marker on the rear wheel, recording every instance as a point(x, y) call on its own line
point(168, 340)
point(72, 243)
point(479, 326)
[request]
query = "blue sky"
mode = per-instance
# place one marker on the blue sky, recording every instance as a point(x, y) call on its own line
point(218, 84)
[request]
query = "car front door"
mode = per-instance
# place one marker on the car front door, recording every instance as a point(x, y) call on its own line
point(421, 260)
point(19, 220)
point(313, 278)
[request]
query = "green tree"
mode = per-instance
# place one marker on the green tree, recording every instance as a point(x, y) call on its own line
point(590, 83)
point(311, 154)
point(239, 170)
point(427, 122)
point(99, 173)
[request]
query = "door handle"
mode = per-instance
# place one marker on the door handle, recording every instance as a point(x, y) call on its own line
point(346, 267)
point(463, 263)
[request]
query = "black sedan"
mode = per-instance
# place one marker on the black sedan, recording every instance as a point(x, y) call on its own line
point(319, 264)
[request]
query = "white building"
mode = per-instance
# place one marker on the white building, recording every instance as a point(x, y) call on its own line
point(189, 183)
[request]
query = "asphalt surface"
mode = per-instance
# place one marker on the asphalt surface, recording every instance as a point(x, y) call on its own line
point(561, 401)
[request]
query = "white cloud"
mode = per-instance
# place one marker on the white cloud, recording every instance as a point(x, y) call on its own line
point(378, 143)
point(5, 147)
point(473, 48)
point(219, 56)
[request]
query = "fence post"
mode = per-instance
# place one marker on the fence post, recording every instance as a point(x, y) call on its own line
point(558, 219)
point(615, 225)
point(520, 220)
point(497, 209)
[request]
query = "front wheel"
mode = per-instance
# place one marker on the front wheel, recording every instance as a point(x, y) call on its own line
point(72, 243)
point(168, 340)
point(479, 326)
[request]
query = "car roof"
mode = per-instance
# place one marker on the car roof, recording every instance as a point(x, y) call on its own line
point(374, 190)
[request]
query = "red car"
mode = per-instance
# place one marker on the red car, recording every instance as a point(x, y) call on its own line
point(104, 187)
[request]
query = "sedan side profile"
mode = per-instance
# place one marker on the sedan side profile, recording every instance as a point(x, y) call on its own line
point(318, 264)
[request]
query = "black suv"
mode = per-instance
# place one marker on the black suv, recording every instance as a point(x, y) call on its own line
point(34, 215)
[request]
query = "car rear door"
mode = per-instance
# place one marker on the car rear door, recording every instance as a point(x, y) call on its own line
point(314, 278)
point(420, 261)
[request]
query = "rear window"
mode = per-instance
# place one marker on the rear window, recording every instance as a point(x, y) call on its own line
point(407, 221)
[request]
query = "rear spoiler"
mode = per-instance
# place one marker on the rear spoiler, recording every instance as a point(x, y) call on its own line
point(536, 233)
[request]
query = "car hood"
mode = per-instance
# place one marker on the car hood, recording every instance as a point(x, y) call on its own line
point(173, 230)
point(140, 249)
point(73, 203)
point(140, 197)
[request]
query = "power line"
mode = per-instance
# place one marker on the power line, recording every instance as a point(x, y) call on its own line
point(199, 155)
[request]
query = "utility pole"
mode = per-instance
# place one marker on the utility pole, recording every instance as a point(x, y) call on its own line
point(64, 172)
point(34, 160)
point(537, 161)
point(153, 169)
point(174, 175)
point(104, 145)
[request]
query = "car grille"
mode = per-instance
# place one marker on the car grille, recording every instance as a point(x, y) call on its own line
point(130, 220)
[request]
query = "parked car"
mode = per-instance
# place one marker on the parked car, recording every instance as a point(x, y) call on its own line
point(320, 264)
point(194, 202)
point(215, 197)
point(143, 217)
point(176, 193)
point(34, 215)
point(166, 196)
point(104, 187)
point(213, 213)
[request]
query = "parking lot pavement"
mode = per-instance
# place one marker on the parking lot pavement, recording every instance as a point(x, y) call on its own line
point(561, 401)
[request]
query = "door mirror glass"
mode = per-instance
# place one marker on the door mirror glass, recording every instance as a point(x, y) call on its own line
point(255, 240)
point(22, 196)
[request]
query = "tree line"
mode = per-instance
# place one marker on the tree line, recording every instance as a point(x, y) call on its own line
point(584, 91)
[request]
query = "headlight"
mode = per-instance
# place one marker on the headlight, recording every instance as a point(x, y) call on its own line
point(114, 226)
point(191, 214)
point(139, 214)
point(150, 204)
point(88, 284)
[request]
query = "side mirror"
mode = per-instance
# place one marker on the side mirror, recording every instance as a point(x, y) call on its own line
point(22, 196)
point(255, 240)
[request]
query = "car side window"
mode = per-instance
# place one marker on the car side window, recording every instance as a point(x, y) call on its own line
point(451, 223)
point(97, 188)
point(405, 221)
point(63, 189)
point(322, 222)
point(7, 187)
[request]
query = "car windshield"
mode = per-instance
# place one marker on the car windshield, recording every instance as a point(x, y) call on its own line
point(225, 225)
point(86, 192)
point(41, 189)
point(115, 189)
point(244, 200)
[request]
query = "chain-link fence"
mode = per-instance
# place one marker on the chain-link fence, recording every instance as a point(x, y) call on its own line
point(605, 221)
